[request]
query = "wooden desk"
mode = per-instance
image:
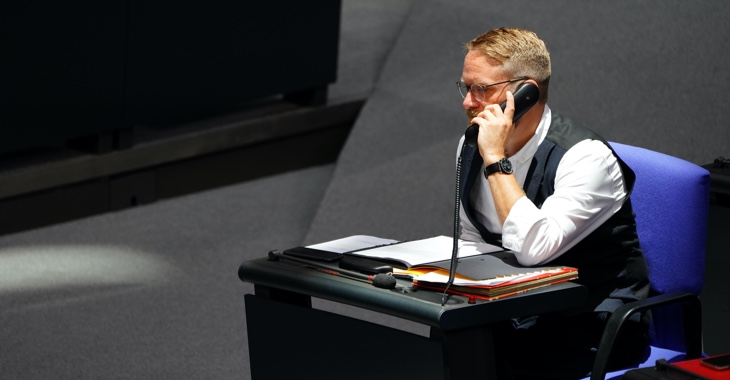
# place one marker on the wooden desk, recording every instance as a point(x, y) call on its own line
point(290, 339)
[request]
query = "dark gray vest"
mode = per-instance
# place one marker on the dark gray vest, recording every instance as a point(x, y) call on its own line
point(609, 261)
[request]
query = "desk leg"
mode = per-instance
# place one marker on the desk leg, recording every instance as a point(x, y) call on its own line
point(276, 294)
point(468, 353)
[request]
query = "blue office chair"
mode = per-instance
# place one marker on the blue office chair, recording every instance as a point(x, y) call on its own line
point(671, 201)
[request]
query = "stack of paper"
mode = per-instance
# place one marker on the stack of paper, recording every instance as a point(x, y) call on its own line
point(414, 253)
point(495, 287)
point(483, 271)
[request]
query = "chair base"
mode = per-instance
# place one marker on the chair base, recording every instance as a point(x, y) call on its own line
point(656, 354)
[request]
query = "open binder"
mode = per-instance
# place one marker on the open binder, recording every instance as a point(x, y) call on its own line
point(485, 271)
point(494, 276)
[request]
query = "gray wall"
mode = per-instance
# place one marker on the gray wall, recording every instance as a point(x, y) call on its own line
point(647, 73)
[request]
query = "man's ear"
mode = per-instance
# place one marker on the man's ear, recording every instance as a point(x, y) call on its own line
point(533, 82)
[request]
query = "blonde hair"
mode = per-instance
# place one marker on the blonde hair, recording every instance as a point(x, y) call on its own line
point(520, 53)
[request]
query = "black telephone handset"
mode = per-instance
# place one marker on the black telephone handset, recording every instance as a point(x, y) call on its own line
point(526, 96)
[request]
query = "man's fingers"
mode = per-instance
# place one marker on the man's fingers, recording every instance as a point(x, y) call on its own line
point(509, 109)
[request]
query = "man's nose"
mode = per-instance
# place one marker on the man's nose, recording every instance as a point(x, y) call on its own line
point(470, 101)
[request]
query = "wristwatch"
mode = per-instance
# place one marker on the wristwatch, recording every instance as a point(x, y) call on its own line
point(502, 165)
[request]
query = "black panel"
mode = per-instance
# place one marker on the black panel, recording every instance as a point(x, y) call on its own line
point(194, 57)
point(60, 76)
point(291, 342)
point(90, 68)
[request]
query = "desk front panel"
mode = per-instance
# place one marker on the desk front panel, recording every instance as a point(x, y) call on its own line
point(294, 342)
point(421, 306)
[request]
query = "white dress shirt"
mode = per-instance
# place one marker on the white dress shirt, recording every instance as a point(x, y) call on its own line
point(589, 189)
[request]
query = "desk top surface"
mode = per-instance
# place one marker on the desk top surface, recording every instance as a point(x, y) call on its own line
point(418, 305)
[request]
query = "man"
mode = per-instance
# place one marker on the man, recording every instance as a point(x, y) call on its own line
point(552, 192)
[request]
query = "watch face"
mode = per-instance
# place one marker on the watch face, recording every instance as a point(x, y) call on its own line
point(505, 165)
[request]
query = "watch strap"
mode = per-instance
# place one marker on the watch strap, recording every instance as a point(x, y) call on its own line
point(503, 165)
point(491, 169)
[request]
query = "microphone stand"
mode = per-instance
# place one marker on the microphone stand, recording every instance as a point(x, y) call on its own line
point(457, 227)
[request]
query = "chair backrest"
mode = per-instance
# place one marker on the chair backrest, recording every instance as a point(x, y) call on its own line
point(671, 201)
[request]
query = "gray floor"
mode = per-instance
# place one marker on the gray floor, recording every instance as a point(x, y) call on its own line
point(152, 292)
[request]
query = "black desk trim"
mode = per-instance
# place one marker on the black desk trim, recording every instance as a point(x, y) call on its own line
point(421, 306)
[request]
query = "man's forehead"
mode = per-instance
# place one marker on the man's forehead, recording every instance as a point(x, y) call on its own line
point(478, 68)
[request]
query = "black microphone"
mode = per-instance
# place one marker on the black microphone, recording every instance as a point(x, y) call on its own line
point(383, 281)
point(380, 280)
point(721, 162)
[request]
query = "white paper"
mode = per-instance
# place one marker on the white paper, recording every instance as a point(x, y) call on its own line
point(429, 250)
point(351, 243)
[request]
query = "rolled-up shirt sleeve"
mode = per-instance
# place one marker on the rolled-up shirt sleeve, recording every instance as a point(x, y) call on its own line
point(589, 189)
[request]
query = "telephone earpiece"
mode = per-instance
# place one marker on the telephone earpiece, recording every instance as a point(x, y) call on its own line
point(526, 96)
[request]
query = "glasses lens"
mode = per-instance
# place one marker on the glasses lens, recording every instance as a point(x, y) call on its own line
point(477, 91)
point(462, 89)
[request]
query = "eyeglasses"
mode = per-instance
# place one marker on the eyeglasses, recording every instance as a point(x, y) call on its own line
point(478, 91)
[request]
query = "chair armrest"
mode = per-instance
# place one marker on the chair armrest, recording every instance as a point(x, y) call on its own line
point(692, 312)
